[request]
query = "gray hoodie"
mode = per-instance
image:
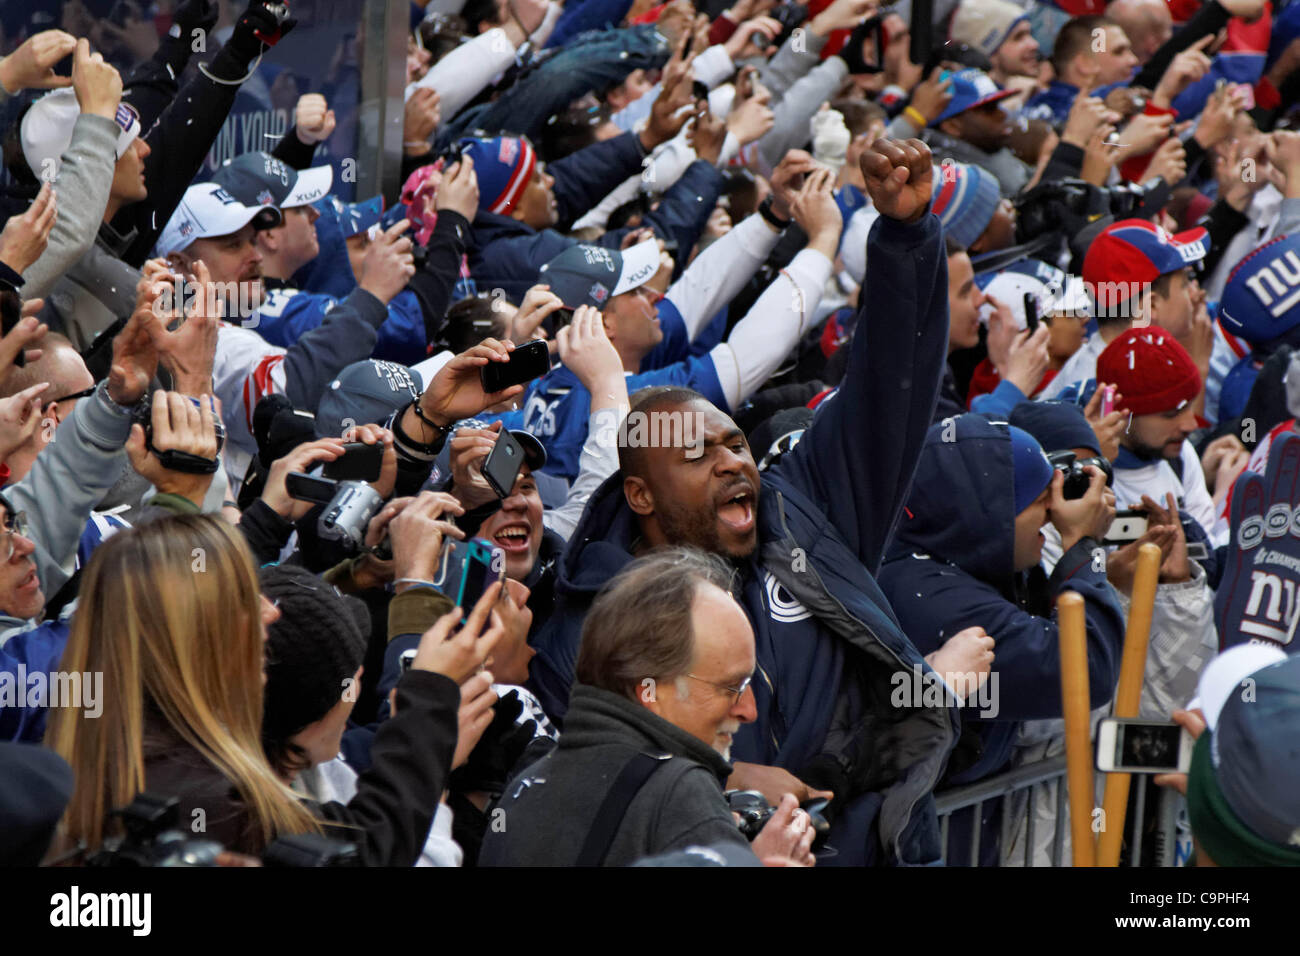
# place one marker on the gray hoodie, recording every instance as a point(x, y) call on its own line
point(68, 478)
point(546, 811)
point(84, 178)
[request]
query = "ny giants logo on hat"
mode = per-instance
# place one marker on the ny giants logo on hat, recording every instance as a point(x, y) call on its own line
point(126, 116)
point(1281, 277)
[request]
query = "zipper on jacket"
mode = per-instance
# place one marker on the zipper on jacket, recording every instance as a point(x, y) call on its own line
point(930, 784)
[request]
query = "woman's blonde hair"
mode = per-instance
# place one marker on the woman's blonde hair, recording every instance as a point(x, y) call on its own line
point(169, 612)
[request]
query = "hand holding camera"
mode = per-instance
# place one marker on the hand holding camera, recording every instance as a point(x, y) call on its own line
point(417, 534)
point(177, 449)
point(1087, 516)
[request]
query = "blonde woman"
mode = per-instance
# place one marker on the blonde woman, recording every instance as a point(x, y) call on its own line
point(171, 615)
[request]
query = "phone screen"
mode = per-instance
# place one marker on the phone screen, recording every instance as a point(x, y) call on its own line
point(359, 462)
point(1147, 746)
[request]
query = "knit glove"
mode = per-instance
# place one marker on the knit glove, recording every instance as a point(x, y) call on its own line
point(195, 15)
point(851, 51)
point(498, 750)
point(830, 138)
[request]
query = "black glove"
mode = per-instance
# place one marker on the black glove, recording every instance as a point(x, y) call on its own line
point(263, 24)
point(194, 15)
point(498, 750)
point(851, 52)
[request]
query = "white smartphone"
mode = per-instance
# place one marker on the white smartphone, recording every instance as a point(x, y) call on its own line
point(1127, 745)
point(1127, 526)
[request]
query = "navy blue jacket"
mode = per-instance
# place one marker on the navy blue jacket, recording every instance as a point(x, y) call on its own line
point(826, 640)
point(504, 253)
point(951, 567)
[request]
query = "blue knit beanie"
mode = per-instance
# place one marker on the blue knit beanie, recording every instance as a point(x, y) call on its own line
point(965, 200)
point(504, 166)
point(1032, 472)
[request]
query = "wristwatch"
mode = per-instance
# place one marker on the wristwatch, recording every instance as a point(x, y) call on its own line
point(772, 219)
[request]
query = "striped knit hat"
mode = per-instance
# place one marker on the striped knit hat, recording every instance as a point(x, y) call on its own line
point(504, 165)
point(966, 200)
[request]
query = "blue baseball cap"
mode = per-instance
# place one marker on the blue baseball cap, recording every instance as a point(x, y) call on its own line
point(356, 217)
point(970, 88)
point(1261, 300)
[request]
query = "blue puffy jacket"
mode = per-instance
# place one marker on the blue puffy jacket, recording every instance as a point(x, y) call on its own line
point(951, 567)
point(827, 643)
point(507, 254)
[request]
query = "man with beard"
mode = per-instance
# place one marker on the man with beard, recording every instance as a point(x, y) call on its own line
point(210, 236)
point(975, 129)
point(1157, 383)
point(806, 545)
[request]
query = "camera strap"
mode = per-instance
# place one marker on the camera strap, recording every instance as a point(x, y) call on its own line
point(626, 786)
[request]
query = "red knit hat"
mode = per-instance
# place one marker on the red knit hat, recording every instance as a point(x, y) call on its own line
point(1152, 372)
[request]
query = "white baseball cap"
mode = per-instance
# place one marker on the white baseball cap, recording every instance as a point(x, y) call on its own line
point(46, 129)
point(207, 210)
point(1226, 674)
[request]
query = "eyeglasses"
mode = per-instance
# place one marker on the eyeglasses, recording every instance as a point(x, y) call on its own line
point(84, 393)
point(736, 692)
point(14, 524)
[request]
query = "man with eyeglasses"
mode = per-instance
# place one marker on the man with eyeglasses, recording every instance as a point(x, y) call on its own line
point(663, 685)
point(654, 338)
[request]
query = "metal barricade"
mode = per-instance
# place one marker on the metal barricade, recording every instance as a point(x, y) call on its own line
point(1032, 782)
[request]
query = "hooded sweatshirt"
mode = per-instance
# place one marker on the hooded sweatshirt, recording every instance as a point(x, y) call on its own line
point(951, 566)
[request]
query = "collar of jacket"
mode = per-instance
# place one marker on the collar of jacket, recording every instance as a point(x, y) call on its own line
point(114, 241)
point(598, 718)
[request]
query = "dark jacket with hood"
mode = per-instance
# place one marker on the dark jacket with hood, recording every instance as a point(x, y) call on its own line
point(826, 640)
point(506, 253)
point(951, 566)
point(550, 806)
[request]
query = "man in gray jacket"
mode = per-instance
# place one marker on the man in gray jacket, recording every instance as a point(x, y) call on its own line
point(662, 685)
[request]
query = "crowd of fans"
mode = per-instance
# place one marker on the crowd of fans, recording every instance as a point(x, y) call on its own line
point(857, 333)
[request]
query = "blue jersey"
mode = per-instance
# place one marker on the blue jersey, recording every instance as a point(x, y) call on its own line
point(556, 407)
point(289, 313)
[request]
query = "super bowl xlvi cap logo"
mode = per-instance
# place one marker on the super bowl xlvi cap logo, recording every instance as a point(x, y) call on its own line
point(598, 293)
point(275, 169)
point(596, 256)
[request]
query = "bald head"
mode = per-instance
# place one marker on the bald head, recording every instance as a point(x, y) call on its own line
point(1147, 24)
point(60, 364)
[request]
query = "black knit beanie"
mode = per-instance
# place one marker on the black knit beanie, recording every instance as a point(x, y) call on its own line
point(317, 644)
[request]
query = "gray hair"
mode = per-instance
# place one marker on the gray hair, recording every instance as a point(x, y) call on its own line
point(639, 627)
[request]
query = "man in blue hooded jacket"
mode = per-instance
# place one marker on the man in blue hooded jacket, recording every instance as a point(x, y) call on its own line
point(967, 555)
point(806, 545)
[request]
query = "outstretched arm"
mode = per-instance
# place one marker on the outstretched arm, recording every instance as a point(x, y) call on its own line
point(866, 439)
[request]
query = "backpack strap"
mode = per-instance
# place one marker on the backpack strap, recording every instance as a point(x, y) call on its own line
point(626, 785)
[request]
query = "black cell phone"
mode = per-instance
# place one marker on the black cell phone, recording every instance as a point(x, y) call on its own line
point(1031, 312)
point(11, 313)
point(359, 462)
point(700, 90)
point(304, 487)
point(531, 360)
point(503, 464)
